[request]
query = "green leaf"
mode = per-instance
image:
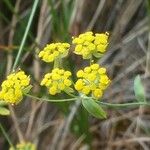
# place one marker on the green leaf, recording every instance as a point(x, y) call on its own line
point(93, 108)
point(139, 89)
point(98, 55)
point(2, 103)
point(4, 111)
point(27, 89)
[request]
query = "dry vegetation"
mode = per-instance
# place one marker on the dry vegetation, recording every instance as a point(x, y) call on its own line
point(68, 126)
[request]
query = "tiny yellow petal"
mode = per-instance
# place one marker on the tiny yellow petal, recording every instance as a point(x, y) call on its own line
point(80, 73)
point(102, 71)
point(67, 82)
point(86, 90)
point(97, 93)
point(95, 66)
point(67, 73)
point(53, 90)
point(79, 85)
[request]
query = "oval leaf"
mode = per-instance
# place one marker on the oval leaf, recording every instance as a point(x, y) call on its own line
point(4, 111)
point(139, 89)
point(93, 108)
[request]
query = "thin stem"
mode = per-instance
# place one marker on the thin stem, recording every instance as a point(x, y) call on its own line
point(16, 124)
point(51, 100)
point(124, 104)
point(56, 63)
point(91, 60)
point(25, 34)
point(5, 135)
point(102, 103)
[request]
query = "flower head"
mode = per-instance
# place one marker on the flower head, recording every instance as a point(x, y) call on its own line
point(87, 44)
point(101, 42)
point(13, 87)
point(54, 51)
point(24, 146)
point(56, 81)
point(92, 80)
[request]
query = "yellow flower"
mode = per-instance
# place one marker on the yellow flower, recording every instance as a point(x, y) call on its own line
point(54, 51)
point(87, 44)
point(80, 73)
point(79, 85)
point(87, 69)
point(102, 70)
point(53, 90)
point(24, 146)
point(56, 81)
point(13, 87)
point(95, 66)
point(86, 90)
point(101, 42)
point(92, 80)
point(84, 44)
point(97, 93)
point(67, 82)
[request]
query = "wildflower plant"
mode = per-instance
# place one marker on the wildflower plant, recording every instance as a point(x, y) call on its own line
point(91, 82)
point(89, 86)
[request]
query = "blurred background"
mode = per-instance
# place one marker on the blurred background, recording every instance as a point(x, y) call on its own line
point(67, 126)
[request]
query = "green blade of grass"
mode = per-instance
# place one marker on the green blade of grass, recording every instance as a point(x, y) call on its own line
point(25, 34)
point(5, 135)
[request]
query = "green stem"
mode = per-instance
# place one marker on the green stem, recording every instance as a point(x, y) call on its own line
point(124, 105)
point(5, 135)
point(25, 34)
point(56, 63)
point(51, 100)
point(91, 60)
point(111, 105)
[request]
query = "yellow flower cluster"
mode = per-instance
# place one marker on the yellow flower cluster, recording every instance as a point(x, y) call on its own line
point(92, 80)
point(101, 42)
point(54, 51)
point(12, 88)
point(87, 44)
point(24, 146)
point(56, 81)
